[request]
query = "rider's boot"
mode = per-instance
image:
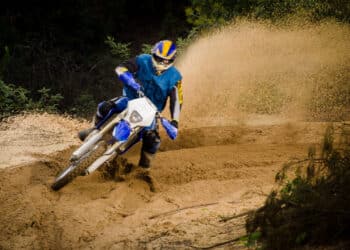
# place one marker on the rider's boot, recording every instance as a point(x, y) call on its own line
point(145, 159)
point(143, 172)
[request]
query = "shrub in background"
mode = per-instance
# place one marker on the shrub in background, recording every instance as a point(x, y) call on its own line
point(14, 99)
point(84, 105)
point(120, 50)
point(313, 208)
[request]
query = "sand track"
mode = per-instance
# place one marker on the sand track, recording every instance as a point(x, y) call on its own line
point(206, 174)
point(223, 162)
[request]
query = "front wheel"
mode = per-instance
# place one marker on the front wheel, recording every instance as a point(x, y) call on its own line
point(65, 177)
point(78, 167)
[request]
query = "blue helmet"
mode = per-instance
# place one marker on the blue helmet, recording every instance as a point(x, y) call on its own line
point(163, 55)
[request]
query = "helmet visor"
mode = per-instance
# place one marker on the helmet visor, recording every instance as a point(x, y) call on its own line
point(162, 61)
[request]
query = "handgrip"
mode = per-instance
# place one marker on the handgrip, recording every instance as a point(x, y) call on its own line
point(170, 129)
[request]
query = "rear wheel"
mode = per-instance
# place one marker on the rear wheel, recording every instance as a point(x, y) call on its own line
point(78, 168)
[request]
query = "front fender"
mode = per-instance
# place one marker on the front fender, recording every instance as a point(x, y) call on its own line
point(121, 131)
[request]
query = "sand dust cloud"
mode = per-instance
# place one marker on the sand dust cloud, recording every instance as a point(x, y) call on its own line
point(259, 68)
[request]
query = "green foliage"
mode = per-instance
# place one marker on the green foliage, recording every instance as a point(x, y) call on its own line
point(251, 240)
point(14, 99)
point(121, 50)
point(146, 48)
point(212, 13)
point(48, 102)
point(262, 98)
point(183, 43)
point(204, 14)
point(313, 208)
point(84, 104)
point(316, 9)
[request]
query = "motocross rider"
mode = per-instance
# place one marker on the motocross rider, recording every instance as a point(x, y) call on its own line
point(156, 76)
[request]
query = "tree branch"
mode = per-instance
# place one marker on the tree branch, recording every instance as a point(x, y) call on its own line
point(224, 219)
point(219, 244)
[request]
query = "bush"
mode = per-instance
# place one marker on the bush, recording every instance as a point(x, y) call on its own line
point(120, 50)
point(206, 14)
point(48, 102)
point(84, 105)
point(14, 99)
point(146, 48)
point(313, 208)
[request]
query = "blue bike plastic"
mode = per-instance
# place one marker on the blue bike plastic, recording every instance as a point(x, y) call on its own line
point(120, 104)
point(122, 131)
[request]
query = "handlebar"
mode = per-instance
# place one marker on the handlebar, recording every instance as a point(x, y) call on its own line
point(130, 82)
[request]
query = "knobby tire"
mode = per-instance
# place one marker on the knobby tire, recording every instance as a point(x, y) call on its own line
point(79, 169)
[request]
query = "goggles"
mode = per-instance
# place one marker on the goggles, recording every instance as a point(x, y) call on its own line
point(163, 61)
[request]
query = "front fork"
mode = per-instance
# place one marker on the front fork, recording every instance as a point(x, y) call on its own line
point(116, 149)
point(97, 136)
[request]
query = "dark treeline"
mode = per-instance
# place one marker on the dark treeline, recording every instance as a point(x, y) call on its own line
point(83, 25)
point(61, 45)
point(59, 52)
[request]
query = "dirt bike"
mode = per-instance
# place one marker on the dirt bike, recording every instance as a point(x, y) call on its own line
point(113, 136)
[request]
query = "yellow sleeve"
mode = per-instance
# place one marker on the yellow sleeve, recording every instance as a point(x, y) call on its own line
point(179, 89)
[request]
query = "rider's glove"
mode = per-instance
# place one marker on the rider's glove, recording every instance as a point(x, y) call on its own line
point(174, 123)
